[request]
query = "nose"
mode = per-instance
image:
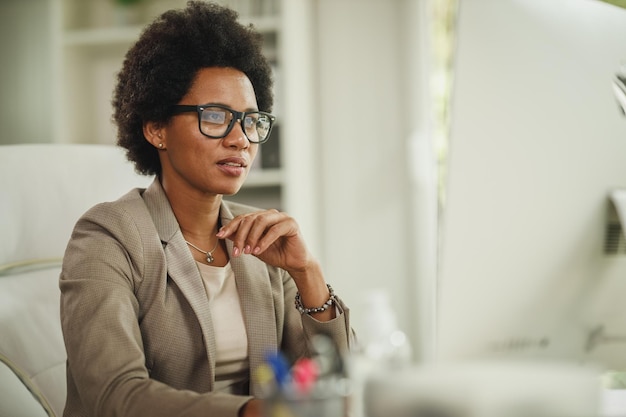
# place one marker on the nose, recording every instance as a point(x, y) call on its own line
point(236, 137)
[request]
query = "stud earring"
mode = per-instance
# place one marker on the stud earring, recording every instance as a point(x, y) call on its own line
point(161, 145)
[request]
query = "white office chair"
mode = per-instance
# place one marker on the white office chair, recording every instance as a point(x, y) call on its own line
point(43, 191)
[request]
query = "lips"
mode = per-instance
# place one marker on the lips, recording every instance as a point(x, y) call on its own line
point(233, 167)
point(233, 162)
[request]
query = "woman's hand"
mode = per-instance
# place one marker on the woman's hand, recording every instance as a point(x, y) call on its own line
point(253, 408)
point(273, 237)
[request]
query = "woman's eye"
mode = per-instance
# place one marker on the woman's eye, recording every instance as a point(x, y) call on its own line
point(251, 121)
point(214, 116)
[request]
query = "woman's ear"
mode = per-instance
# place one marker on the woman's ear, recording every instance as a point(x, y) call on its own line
point(153, 132)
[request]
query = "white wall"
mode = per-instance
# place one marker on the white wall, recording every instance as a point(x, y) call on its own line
point(369, 106)
point(26, 82)
point(537, 143)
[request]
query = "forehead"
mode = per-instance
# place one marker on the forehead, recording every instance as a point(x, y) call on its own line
point(226, 86)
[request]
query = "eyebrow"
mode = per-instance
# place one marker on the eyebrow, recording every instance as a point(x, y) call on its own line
point(249, 109)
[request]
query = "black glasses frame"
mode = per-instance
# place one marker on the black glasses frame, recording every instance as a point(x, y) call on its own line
point(237, 116)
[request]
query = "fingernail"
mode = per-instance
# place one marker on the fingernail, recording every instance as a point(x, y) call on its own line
point(257, 250)
point(247, 249)
point(235, 251)
point(220, 233)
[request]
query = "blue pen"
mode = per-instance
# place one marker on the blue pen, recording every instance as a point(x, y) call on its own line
point(280, 368)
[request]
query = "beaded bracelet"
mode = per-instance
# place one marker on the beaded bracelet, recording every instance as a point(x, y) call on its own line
point(303, 310)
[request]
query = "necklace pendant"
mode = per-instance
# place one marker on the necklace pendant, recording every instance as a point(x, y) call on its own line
point(209, 257)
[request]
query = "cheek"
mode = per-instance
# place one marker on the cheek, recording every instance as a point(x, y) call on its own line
point(183, 144)
point(183, 135)
point(253, 150)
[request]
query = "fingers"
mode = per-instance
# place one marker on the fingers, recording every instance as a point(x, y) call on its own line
point(253, 233)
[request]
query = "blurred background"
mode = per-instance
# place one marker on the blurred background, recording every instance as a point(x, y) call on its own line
point(456, 157)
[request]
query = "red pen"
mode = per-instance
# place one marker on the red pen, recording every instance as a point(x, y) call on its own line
point(304, 373)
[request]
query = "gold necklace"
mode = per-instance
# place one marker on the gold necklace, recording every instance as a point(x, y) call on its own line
point(209, 254)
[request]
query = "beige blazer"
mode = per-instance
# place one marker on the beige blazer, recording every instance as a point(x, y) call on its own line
point(136, 320)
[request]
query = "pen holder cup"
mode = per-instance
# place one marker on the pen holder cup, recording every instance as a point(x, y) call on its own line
point(309, 406)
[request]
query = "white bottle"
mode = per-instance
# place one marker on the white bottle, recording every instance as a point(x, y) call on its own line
point(381, 347)
point(383, 342)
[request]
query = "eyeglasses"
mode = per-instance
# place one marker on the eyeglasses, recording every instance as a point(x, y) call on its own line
point(216, 121)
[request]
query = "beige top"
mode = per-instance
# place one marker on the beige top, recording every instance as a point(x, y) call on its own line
point(231, 340)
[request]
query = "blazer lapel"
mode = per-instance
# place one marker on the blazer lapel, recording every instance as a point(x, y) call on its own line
point(257, 303)
point(181, 267)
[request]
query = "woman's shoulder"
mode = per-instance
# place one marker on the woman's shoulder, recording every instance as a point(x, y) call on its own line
point(125, 202)
point(130, 207)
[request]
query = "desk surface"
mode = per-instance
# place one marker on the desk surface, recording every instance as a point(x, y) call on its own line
point(614, 403)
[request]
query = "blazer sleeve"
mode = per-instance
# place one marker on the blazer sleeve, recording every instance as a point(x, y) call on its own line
point(297, 325)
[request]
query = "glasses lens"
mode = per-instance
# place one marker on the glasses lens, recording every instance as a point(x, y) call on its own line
point(217, 121)
point(214, 121)
point(257, 126)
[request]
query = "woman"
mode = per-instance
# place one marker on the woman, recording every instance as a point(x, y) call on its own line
point(171, 297)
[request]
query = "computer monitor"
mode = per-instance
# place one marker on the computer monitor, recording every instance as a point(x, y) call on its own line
point(529, 266)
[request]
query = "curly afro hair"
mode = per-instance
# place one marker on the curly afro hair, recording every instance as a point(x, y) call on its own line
point(160, 68)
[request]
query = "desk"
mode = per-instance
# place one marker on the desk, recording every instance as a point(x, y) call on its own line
point(613, 403)
point(492, 389)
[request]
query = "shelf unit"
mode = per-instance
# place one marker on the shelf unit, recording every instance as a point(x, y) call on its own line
point(91, 39)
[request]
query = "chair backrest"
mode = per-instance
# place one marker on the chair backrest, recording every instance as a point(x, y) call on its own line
point(44, 189)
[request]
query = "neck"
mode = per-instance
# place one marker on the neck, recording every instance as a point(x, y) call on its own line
point(196, 213)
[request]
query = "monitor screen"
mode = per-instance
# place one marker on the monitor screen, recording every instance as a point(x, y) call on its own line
point(532, 261)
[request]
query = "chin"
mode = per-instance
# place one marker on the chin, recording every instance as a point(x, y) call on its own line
point(230, 191)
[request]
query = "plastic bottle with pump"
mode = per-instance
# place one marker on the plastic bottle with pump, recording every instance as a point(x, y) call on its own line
point(382, 347)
